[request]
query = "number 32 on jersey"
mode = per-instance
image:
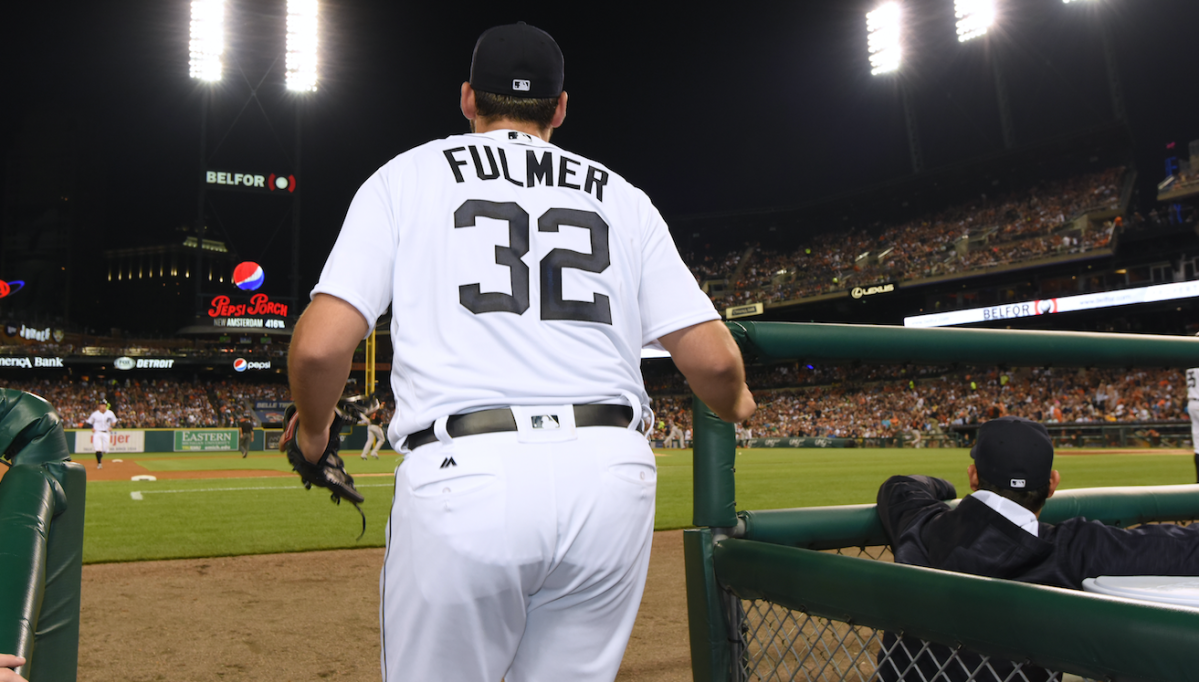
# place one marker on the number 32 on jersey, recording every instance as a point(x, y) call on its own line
point(553, 306)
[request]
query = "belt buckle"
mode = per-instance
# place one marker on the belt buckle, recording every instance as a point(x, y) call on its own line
point(544, 423)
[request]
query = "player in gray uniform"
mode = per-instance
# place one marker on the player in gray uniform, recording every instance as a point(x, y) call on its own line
point(524, 281)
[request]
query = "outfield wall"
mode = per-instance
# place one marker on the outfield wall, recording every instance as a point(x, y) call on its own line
point(197, 440)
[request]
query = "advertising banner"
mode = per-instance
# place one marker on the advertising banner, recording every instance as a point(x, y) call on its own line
point(800, 442)
point(748, 310)
point(205, 440)
point(118, 441)
point(1064, 304)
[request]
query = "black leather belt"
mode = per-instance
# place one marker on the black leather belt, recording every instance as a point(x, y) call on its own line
point(501, 419)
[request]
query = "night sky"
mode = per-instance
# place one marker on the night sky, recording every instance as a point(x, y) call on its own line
point(709, 107)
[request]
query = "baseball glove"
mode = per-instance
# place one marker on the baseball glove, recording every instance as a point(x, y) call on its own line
point(329, 471)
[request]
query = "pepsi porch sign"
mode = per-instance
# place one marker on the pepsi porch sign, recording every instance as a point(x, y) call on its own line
point(259, 313)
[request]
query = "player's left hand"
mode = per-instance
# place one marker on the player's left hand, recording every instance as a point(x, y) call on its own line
point(7, 663)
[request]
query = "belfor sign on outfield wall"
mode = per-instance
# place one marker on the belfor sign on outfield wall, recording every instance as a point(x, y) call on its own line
point(205, 440)
point(118, 441)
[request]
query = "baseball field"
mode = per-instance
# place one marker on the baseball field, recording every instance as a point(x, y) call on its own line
point(226, 568)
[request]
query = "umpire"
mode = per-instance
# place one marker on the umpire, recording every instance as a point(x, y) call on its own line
point(523, 281)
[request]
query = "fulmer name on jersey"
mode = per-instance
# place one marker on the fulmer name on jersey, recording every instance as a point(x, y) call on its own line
point(491, 164)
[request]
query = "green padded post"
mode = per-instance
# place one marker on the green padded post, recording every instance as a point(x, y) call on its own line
point(710, 650)
point(41, 540)
point(57, 636)
point(942, 346)
point(715, 451)
point(26, 508)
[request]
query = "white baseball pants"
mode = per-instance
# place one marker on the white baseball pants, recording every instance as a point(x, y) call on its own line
point(100, 441)
point(515, 559)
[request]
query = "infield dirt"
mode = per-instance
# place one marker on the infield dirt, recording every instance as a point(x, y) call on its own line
point(304, 616)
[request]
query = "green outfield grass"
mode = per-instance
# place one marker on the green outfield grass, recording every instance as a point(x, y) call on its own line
point(227, 517)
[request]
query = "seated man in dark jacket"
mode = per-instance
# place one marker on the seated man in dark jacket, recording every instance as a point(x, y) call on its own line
point(995, 532)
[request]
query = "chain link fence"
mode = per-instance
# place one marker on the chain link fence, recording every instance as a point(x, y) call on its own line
point(781, 645)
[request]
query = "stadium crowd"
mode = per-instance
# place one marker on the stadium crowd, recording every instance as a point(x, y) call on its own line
point(154, 403)
point(1021, 225)
point(866, 403)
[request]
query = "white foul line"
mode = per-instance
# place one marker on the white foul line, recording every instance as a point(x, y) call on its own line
point(137, 494)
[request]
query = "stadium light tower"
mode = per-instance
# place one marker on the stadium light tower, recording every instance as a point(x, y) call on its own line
point(205, 50)
point(207, 39)
point(302, 43)
point(975, 18)
point(883, 38)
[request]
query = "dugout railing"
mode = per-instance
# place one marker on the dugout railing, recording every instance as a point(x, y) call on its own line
point(808, 594)
point(42, 499)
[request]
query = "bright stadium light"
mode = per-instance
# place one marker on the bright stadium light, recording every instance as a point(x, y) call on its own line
point(974, 18)
point(882, 38)
point(301, 45)
point(207, 39)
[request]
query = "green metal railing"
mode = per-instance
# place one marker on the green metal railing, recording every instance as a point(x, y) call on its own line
point(763, 605)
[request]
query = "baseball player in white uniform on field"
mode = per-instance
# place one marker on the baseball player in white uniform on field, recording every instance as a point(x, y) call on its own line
point(102, 421)
point(1193, 410)
point(524, 280)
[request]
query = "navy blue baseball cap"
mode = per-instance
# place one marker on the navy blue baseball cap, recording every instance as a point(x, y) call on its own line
point(1014, 453)
point(517, 60)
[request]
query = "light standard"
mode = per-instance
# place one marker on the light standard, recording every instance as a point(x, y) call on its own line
point(302, 44)
point(206, 47)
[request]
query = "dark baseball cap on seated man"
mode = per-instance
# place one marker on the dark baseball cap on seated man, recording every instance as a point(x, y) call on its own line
point(517, 60)
point(1013, 453)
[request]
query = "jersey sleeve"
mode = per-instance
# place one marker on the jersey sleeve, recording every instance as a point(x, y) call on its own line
point(669, 298)
point(359, 268)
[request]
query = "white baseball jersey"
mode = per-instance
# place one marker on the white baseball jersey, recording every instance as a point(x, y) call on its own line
point(506, 296)
point(102, 421)
point(1193, 384)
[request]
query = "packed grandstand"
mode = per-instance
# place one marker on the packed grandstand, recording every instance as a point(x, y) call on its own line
point(1036, 222)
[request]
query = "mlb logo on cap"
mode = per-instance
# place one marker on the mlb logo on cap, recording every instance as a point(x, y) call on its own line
point(522, 85)
point(1018, 484)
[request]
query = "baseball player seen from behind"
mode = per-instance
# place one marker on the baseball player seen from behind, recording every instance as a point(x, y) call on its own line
point(102, 420)
point(524, 280)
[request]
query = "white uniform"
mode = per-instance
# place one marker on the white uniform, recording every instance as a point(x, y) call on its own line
point(519, 275)
point(102, 423)
point(1193, 410)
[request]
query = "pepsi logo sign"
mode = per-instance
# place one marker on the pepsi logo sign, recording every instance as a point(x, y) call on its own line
point(241, 365)
point(248, 276)
point(10, 288)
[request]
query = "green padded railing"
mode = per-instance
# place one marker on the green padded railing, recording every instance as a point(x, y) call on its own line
point(1091, 635)
point(858, 525)
point(42, 500)
point(846, 589)
point(943, 346)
